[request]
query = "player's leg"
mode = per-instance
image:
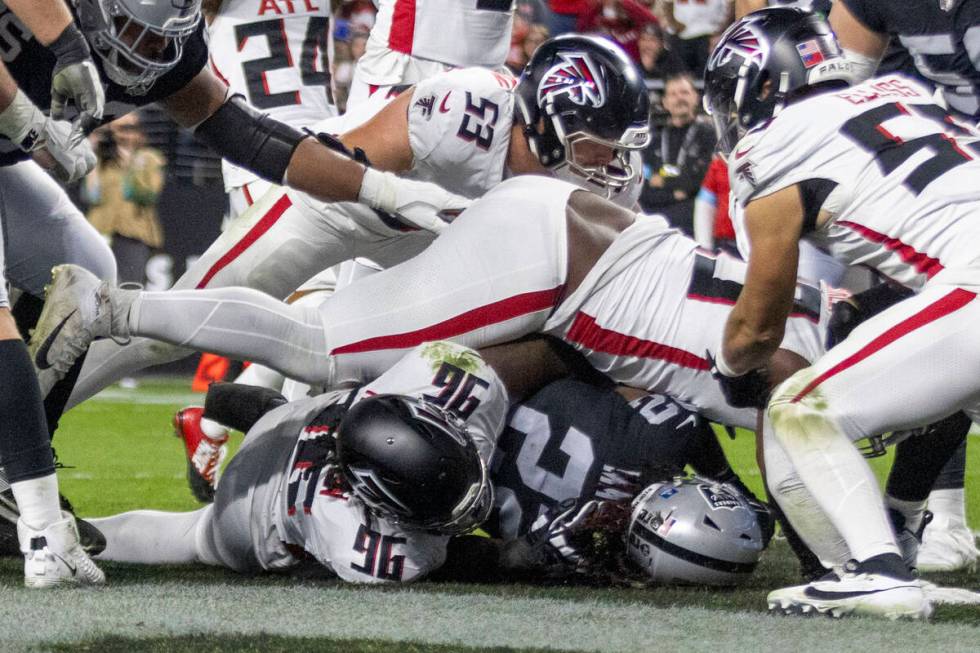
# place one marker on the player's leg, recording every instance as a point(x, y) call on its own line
point(492, 276)
point(47, 536)
point(859, 389)
point(948, 543)
point(152, 537)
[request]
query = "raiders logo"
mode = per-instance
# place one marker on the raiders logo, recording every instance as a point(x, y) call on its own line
point(719, 498)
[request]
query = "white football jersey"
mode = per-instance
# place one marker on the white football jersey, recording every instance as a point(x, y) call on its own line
point(459, 127)
point(700, 17)
point(654, 305)
point(451, 32)
point(335, 527)
point(279, 56)
point(897, 175)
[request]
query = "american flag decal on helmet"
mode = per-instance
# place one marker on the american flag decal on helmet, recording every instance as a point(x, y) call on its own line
point(742, 40)
point(576, 76)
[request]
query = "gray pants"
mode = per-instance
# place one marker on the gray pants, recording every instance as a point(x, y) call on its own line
point(41, 229)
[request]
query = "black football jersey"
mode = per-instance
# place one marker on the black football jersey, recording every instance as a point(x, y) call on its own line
point(942, 37)
point(572, 440)
point(32, 65)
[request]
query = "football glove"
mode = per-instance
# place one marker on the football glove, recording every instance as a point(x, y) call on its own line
point(749, 390)
point(76, 78)
point(420, 204)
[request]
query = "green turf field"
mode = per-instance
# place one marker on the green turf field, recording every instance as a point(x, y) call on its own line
point(123, 456)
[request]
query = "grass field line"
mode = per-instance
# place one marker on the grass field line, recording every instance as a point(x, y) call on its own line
point(167, 609)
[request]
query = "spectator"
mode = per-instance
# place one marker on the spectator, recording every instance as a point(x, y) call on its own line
point(563, 15)
point(620, 20)
point(678, 155)
point(693, 23)
point(515, 56)
point(122, 193)
point(712, 223)
point(347, 53)
point(657, 63)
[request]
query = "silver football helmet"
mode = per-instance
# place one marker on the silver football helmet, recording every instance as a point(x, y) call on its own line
point(694, 531)
point(138, 40)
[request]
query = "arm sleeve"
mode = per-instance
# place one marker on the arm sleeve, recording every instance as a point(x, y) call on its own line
point(239, 406)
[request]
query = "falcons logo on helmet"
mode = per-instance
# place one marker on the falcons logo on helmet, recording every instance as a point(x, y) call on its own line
point(576, 76)
point(741, 40)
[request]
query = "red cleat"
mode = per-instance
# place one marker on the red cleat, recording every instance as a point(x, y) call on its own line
point(204, 453)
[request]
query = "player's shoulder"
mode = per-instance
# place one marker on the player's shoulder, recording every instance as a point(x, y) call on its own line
point(475, 81)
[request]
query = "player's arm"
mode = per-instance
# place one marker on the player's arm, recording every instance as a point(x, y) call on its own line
point(862, 45)
point(755, 326)
point(284, 155)
point(75, 76)
point(384, 138)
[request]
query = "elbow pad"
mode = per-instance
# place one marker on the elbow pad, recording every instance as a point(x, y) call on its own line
point(239, 406)
point(251, 139)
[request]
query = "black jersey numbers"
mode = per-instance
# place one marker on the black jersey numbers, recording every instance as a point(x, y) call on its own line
point(378, 550)
point(314, 51)
point(891, 151)
point(458, 390)
point(478, 121)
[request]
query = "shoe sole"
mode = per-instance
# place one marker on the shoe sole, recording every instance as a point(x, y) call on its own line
point(842, 608)
point(52, 318)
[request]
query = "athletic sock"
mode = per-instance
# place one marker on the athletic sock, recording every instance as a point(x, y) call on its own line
point(212, 429)
point(37, 501)
point(949, 503)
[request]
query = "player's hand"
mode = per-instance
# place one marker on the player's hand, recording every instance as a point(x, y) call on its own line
point(554, 536)
point(749, 390)
point(421, 204)
point(76, 78)
point(56, 153)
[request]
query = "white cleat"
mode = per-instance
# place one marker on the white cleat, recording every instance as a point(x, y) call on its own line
point(54, 556)
point(947, 545)
point(76, 311)
point(858, 591)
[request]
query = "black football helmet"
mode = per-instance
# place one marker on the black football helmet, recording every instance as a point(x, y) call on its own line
point(583, 88)
point(414, 463)
point(789, 47)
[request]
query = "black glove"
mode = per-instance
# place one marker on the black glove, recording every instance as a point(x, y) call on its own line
point(749, 390)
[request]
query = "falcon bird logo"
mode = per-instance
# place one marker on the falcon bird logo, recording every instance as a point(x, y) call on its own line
point(576, 76)
point(742, 41)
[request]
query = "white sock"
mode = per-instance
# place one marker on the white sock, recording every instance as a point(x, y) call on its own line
point(213, 429)
point(261, 376)
point(37, 500)
point(911, 510)
point(951, 504)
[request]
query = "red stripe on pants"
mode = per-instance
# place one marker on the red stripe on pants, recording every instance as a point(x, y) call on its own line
point(402, 32)
point(262, 226)
point(477, 318)
point(950, 303)
point(587, 333)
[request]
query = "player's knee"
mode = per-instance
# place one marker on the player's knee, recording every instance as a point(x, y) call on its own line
point(799, 414)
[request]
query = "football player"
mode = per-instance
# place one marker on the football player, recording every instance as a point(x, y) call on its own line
point(368, 482)
point(637, 298)
point(580, 110)
point(940, 36)
point(411, 42)
point(147, 52)
point(280, 59)
point(879, 175)
point(940, 39)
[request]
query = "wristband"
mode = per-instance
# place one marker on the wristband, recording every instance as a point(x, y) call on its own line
point(70, 47)
point(722, 364)
point(22, 122)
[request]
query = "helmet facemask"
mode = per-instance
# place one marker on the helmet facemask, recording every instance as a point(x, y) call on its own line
point(614, 175)
point(136, 53)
